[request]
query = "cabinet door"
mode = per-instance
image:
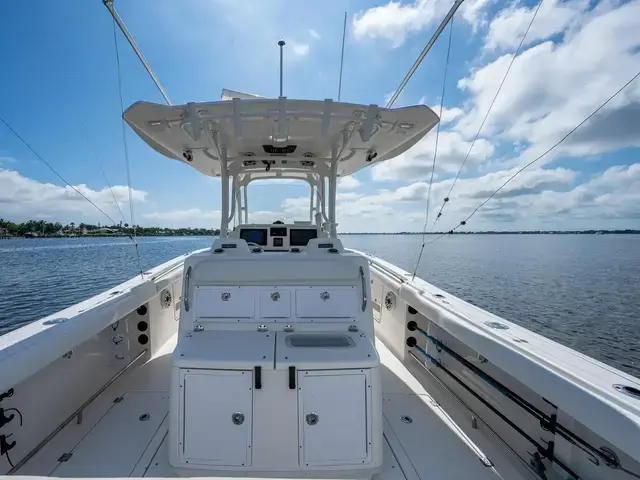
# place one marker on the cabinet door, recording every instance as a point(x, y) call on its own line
point(225, 302)
point(275, 303)
point(333, 419)
point(326, 302)
point(217, 413)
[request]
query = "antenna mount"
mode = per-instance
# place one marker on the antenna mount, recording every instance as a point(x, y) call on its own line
point(281, 44)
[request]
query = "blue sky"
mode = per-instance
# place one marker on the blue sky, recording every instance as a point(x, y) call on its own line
point(58, 89)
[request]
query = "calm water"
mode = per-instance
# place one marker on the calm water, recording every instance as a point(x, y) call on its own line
point(580, 290)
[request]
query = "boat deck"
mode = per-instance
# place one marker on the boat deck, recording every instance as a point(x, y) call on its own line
point(123, 433)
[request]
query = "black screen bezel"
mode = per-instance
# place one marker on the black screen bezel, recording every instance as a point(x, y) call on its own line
point(262, 231)
point(294, 240)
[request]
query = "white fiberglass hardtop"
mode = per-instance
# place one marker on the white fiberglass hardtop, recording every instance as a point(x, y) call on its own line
point(288, 134)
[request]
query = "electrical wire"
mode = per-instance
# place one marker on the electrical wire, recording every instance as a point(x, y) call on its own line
point(545, 153)
point(55, 172)
point(435, 152)
point(126, 149)
point(504, 78)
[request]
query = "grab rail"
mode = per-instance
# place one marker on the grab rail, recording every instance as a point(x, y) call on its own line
point(185, 295)
point(364, 290)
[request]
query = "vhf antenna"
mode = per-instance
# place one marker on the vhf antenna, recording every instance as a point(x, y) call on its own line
point(281, 44)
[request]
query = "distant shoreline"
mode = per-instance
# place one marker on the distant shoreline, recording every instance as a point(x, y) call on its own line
point(511, 232)
point(216, 233)
point(7, 237)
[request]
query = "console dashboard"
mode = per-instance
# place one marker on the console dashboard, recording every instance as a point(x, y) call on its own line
point(279, 236)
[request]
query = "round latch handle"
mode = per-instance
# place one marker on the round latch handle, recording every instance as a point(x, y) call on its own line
point(275, 296)
point(311, 419)
point(225, 296)
point(237, 418)
point(325, 296)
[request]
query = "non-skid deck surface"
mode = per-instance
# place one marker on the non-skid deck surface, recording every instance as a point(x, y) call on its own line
point(128, 437)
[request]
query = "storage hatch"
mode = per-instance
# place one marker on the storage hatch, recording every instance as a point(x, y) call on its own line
point(217, 412)
point(333, 417)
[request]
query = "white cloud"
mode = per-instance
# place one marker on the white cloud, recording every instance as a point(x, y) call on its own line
point(536, 199)
point(387, 96)
point(348, 183)
point(199, 218)
point(448, 114)
point(473, 12)
point(554, 16)
point(192, 217)
point(23, 198)
point(395, 21)
point(299, 50)
point(552, 87)
point(543, 198)
point(417, 162)
point(314, 34)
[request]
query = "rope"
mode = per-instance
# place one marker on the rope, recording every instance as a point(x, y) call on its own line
point(435, 153)
point(39, 157)
point(126, 149)
point(549, 150)
point(504, 78)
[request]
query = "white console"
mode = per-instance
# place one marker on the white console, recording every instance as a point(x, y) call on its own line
point(276, 372)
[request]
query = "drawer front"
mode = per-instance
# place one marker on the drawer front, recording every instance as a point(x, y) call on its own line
point(225, 302)
point(275, 303)
point(326, 302)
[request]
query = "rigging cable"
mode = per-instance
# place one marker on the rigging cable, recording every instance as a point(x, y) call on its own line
point(344, 34)
point(126, 149)
point(435, 152)
point(104, 175)
point(26, 144)
point(546, 152)
point(504, 78)
point(423, 53)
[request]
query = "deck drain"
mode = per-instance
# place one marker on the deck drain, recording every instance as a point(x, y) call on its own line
point(627, 390)
point(144, 417)
point(406, 419)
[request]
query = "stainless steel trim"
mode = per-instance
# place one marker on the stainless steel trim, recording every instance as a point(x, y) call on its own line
point(77, 413)
point(364, 290)
point(185, 295)
point(386, 270)
point(474, 415)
